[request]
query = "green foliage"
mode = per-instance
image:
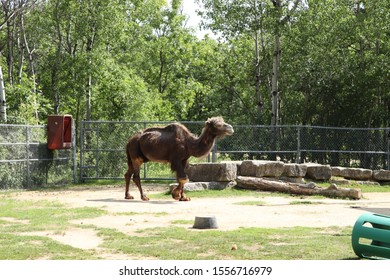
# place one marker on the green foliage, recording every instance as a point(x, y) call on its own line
point(70, 57)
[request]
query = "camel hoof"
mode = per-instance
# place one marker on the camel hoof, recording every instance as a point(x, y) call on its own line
point(185, 199)
point(176, 194)
point(129, 197)
point(145, 198)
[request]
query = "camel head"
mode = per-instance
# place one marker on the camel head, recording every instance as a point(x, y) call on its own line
point(218, 127)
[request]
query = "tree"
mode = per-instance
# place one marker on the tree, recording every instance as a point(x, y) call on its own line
point(239, 19)
point(260, 21)
point(333, 62)
point(3, 105)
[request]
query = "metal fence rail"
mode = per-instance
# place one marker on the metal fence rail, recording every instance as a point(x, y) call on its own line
point(102, 146)
point(26, 162)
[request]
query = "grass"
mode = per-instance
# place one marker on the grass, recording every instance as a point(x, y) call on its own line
point(32, 216)
point(252, 243)
point(177, 241)
point(365, 188)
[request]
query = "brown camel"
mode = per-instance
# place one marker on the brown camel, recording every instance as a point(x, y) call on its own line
point(173, 144)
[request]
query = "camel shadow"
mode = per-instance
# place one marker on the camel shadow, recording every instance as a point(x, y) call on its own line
point(114, 200)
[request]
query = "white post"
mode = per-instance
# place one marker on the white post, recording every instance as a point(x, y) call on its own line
point(3, 106)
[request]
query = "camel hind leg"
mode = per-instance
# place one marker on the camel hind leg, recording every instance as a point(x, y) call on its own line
point(134, 171)
point(128, 175)
point(137, 181)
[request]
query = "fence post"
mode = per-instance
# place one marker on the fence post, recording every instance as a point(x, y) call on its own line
point(74, 152)
point(28, 156)
point(144, 167)
point(298, 156)
point(81, 148)
point(214, 153)
point(388, 150)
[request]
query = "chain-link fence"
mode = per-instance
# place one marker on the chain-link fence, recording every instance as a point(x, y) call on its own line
point(102, 147)
point(25, 160)
point(348, 147)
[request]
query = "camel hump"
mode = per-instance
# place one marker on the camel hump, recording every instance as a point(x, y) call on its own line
point(170, 129)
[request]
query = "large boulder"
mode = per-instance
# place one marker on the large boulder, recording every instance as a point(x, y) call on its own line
point(248, 168)
point(237, 163)
point(270, 169)
point(294, 170)
point(356, 173)
point(261, 168)
point(208, 172)
point(318, 171)
point(381, 175)
point(337, 170)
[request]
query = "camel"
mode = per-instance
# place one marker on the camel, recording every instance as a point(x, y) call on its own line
point(173, 144)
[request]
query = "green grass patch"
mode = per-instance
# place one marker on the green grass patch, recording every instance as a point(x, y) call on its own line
point(365, 187)
point(304, 202)
point(183, 222)
point(253, 243)
point(22, 217)
point(16, 247)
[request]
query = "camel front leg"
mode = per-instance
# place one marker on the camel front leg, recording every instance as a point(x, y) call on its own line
point(178, 192)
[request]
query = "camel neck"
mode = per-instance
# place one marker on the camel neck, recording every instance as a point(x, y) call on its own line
point(202, 145)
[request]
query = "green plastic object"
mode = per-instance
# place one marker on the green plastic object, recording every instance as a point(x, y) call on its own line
point(371, 236)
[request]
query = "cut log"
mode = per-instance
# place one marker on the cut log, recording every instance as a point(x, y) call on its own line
point(293, 188)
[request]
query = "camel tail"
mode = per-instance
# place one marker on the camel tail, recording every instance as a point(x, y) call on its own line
point(128, 155)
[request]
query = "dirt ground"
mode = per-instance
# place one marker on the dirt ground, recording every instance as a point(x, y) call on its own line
point(271, 212)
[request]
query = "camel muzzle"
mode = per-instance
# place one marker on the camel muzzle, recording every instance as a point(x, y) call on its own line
point(229, 129)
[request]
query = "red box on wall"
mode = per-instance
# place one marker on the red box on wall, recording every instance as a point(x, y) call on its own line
point(59, 132)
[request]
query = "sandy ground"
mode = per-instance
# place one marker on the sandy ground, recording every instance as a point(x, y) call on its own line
point(270, 212)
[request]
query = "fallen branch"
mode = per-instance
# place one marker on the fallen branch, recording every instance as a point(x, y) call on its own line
point(293, 188)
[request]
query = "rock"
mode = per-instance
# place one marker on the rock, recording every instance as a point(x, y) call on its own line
point(369, 183)
point(207, 172)
point(237, 163)
point(261, 168)
point(356, 173)
point(191, 186)
point(201, 186)
point(248, 167)
point(220, 185)
point(294, 170)
point(318, 171)
point(340, 181)
point(336, 171)
point(270, 169)
point(381, 175)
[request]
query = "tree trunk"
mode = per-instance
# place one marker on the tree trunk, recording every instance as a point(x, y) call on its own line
point(89, 49)
point(275, 65)
point(258, 78)
point(10, 56)
point(293, 188)
point(275, 82)
point(3, 105)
